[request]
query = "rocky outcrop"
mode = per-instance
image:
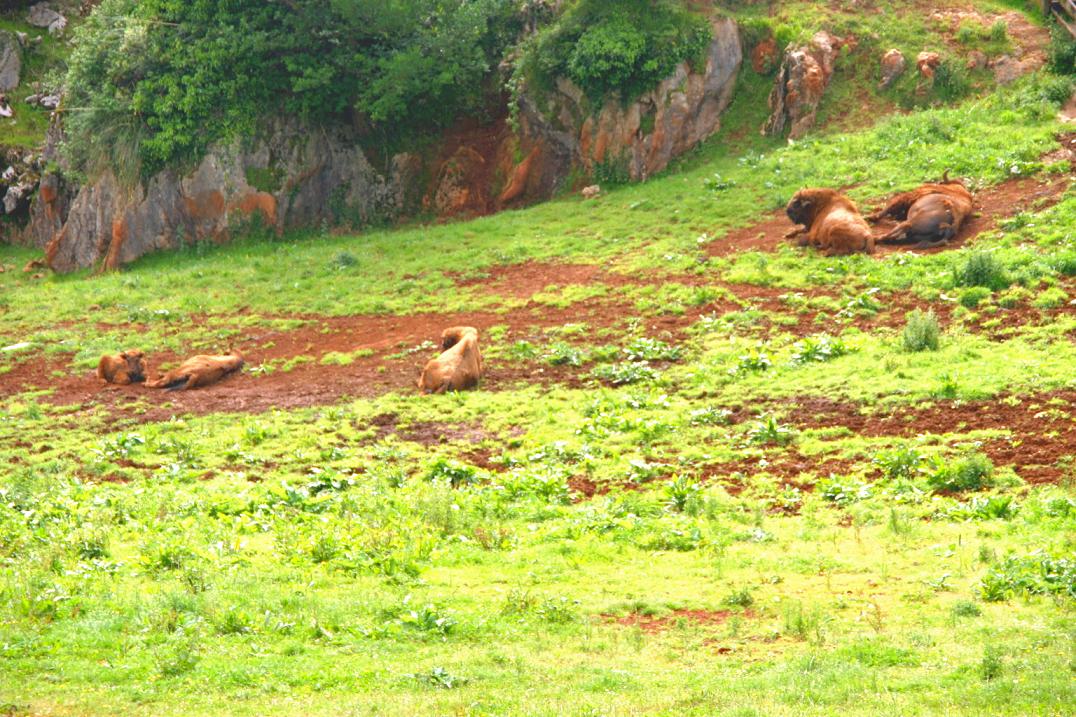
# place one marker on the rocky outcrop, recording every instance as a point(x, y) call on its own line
point(927, 62)
point(801, 81)
point(290, 176)
point(10, 61)
point(293, 176)
point(893, 64)
point(43, 15)
point(561, 132)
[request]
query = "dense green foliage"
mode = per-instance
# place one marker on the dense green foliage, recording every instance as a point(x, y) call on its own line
point(153, 83)
point(624, 47)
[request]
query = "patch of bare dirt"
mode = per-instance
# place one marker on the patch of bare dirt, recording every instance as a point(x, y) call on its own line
point(991, 204)
point(1042, 427)
point(653, 624)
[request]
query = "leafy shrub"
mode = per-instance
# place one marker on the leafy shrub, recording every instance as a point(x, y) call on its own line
point(1062, 51)
point(768, 430)
point(440, 678)
point(843, 491)
point(564, 354)
point(921, 332)
point(1035, 574)
point(951, 80)
point(455, 473)
point(981, 269)
point(818, 348)
point(973, 471)
point(710, 416)
point(994, 507)
point(750, 363)
point(966, 608)
point(680, 491)
point(624, 47)
point(899, 463)
point(159, 80)
point(645, 349)
point(625, 372)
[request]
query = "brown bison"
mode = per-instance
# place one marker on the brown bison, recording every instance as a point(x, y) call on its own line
point(459, 367)
point(124, 368)
point(198, 371)
point(929, 215)
point(831, 221)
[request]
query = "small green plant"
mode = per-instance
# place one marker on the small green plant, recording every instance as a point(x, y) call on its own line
point(972, 471)
point(624, 373)
point(716, 183)
point(646, 349)
point(440, 678)
point(739, 597)
point(900, 463)
point(818, 349)
point(564, 354)
point(767, 430)
point(710, 416)
point(921, 332)
point(454, 473)
point(966, 608)
point(680, 492)
point(751, 363)
point(844, 491)
point(981, 269)
point(991, 666)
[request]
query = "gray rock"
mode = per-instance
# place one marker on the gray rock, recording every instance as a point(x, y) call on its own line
point(10, 61)
point(640, 138)
point(42, 15)
point(49, 102)
point(802, 79)
point(1007, 69)
point(23, 38)
point(305, 177)
point(893, 64)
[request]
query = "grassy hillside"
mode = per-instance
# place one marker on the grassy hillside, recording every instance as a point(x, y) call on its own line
point(707, 473)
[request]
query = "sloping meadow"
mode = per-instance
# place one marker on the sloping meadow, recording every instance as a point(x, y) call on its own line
point(796, 500)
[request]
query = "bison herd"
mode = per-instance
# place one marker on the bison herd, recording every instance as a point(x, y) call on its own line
point(929, 215)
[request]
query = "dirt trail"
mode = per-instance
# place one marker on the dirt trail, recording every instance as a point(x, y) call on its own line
point(992, 204)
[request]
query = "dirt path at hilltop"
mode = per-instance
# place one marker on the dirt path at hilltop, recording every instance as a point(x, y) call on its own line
point(991, 205)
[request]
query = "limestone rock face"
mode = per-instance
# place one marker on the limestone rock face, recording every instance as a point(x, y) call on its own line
point(801, 81)
point(10, 61)
point(292, 176)
point(927, 62)
point(289, 177)
point(562, 132)
point(893, 64)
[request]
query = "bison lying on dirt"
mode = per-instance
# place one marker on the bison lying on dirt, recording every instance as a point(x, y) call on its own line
point(198, 371)
point(124, 368)
point(459, 366)
point(831, 220)
point(929, 215)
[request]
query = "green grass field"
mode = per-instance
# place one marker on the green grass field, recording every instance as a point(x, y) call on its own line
point(696, 481)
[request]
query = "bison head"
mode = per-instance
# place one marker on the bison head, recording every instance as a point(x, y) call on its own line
point(136, 367)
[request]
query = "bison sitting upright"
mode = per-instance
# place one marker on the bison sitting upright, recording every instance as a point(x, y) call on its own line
point(124, 368)
point(198, 371)
point(832, 222)
point(929, 215)
point(459, 367)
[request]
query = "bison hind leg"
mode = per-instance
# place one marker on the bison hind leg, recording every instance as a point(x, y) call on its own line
point(178, 384)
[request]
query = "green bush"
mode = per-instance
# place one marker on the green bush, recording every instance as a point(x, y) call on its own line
point(973, 296)
point(623, 47)
point(921, 332)
point(971, 472)
point(1062, 50)
point(951, 80)
point(152, 83)
point(981, 269)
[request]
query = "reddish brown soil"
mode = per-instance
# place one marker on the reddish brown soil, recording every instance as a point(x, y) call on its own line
point(652, 624)
point(991, 204)
point(1042, 435)
point(524, 280)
